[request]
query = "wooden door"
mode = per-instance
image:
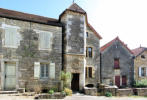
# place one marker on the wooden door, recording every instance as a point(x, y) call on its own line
point(117, 81)
point(124, 80)
point(10, 76)
point(75, 82)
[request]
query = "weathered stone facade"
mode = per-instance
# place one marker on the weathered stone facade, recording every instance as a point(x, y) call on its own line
point(109, 52)
point(66, 50)
point(28, 52)
point(140, 61)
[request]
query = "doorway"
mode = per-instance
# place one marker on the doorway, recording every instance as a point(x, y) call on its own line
point(117, 81)
point(10, 76)
point(75, 82)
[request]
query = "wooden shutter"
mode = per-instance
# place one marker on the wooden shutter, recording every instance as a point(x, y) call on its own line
point(36, 69)
point(11, 37)
point(44, 40)
point(93, 72)
point(139, 71)
point(52, 71)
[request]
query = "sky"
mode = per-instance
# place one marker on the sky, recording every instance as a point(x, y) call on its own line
point(110, 18)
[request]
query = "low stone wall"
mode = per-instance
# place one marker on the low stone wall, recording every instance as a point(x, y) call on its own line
point(111, 89)
point(141, 91)
point(90, 91)
point(50, 96)
point(124, 92)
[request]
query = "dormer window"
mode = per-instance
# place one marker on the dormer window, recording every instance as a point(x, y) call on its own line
point(143, 56)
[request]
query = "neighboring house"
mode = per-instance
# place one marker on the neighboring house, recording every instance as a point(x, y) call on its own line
point(140, 63)
point(116, 64)
point(34, 50)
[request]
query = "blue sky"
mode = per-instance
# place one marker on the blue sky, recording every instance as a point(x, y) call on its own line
point(124, 18)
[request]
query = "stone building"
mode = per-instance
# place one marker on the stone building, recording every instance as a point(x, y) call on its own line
point(34, 49)
point(116, 64)
point(140, 63)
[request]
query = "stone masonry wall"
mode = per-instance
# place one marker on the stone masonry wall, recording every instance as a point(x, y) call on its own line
point(116, 50)
point(28, 52)
point(93, 41)
point(140, 62)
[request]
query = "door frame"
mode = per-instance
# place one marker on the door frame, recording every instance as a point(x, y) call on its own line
point(3, 72)
point(78, 82)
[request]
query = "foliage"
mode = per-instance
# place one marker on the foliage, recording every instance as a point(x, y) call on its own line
point(68, 91)
point(108, 94)
point(141, 84)
point(66, 78)
point(51, 91)
point(55, 89)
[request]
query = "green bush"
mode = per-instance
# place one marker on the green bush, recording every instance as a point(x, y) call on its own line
point(68, 91)
point(108, 94)
point(51, 91)
point(141, 83)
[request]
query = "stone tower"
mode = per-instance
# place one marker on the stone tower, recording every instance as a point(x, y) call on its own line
point(74, 48)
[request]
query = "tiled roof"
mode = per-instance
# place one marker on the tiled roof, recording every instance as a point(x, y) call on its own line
point(138, 51)
point(94, 31)
point(111, 42)
point(76, 8)
point(28, 17)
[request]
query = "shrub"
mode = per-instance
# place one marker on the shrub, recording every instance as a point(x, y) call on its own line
point(68, 91)
point(108, 94)
point(141, 84)
point(66, 78)
point(51, 91)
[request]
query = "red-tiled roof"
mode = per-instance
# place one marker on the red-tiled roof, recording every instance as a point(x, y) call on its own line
point(111, 42)
point(94, 31)
point(28, 17)
point(138, 51)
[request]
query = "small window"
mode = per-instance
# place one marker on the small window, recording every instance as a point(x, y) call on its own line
point(142, 71)
point(87, 34)
point(89, 72)
point(143, 56)
point(116, 64)
point(44, 70)
point(89, 52)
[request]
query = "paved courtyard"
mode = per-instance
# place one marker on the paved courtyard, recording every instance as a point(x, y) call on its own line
point(74, 97)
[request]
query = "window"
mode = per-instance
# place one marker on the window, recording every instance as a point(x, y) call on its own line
point(116, 63)
point(10, 37)
point(142, 71)
point(86, 34)
point(143, 56)
point(89, 72)
point(44, 40)
point(44, 71)
point(89, 52)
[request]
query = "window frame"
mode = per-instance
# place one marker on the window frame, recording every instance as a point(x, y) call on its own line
point(89, 72)
point(46, 75)
point(87, 52)
point(116, 66)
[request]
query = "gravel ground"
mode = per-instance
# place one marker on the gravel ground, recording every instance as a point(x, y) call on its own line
point(74, 97)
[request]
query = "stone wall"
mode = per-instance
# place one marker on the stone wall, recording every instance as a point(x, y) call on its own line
point(93, 41)
point(28, 52)
point(74, 44)
point(124, 92)
point(141, 91)
point(140, 62)
point(108, 73)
